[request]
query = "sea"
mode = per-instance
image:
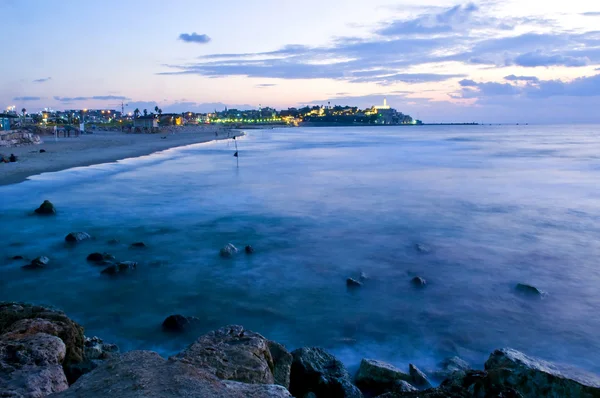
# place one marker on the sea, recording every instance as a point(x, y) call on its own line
point(474, 210)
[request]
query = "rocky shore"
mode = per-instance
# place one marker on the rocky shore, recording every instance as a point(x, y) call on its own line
point(45, 353)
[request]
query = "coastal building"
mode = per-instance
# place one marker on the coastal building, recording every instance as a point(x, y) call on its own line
point(145, 123)
point(5, 121)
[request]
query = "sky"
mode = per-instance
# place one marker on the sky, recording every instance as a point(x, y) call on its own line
point(509, 61)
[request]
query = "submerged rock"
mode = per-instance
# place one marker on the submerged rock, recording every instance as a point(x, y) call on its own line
point(249, 249)
point(232, 353)
point(38, 262)
point(120, 268)
point(75, 237)
point(315, 370)
point(228, 250)
point(101, 258)
point(421, 248)
point(417, 377)
point(17, 258)
point(138, 245)
point(141, 374)
point(363, 277)
point(351, 282)
point(377, 377)
point(418, 281)
point(46, 209)
point(113, 241)
point(528, 289)
point(179, 323)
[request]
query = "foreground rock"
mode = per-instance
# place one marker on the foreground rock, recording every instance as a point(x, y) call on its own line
point(37, 263)
point(282, 363)
point(95, 351)
point(232, 353)
point(37, 345)
point(46, 208)
point(31, 365)
point(417, 377)
point(536, 378)
point(528, 290)
point(449, 366)
point(351, 282)
point(418, 281)
point(315, 370)
point(75, 237)
point(376, 377)
point(146, 374)
point(179, 323)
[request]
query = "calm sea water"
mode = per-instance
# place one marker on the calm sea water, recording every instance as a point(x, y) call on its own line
point(496, 206)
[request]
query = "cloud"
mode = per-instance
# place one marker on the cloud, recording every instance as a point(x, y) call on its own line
point(265, 85)
point(522, 78)
point(467, 83)
point(591, 14)
point(96, 97)
point(194, 38)
point(27, 98)
point(538, 58)
point(42, 80)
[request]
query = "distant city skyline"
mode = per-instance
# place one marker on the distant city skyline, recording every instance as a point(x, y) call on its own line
point(439, 61)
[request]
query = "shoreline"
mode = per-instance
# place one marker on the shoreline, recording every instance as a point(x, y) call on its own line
point(98, 148)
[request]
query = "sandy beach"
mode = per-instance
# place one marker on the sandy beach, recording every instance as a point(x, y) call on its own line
point(98, 147)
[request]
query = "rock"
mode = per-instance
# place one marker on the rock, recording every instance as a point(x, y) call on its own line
point(46, 208)
point(232, 353)
point(310, 395)
point(417, 377)
point(377, 377)
point(282, 363)
point(249, 249)
point(38, 262)
point(421, 248)
point(113, 242)
point(102, 258)
point(179, 323)
point(363, 277)
point(528, 289)
point(42, 151)
point(401, 386)
point(75, 237)
point(350, 282)
point(536, 378)
point(315, 370)
point(31, 365)
point(418, 281)
point(17, 258)
point(228, 250)
point(26, 319)
point(95, 351)
point(119, 268)
point(145, 374)
point(138, 245)
point(449, 366)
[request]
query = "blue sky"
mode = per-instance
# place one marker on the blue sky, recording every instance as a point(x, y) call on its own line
point(485, 61)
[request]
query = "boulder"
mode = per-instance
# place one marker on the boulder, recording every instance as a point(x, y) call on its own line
point(101, 258)
point(145, 374)
point(232, 353)
point(120, 268)
point(31, 365)
point(418, 281)
point(315, 370)
point(449, 366)
point(46, 209)
point(38, 262)
point(528, 290)
point(25, 319)
point(228, 250)
point(249, 249)
point(138, 245)
point(282, 363)
point(417, 377)
point(75, 237)
point(536, 378)
point(351, 282)
point(179, 323)
point(377, 377)
point(401, 386)
point(95, 351)
point(17, 258)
